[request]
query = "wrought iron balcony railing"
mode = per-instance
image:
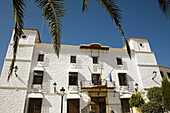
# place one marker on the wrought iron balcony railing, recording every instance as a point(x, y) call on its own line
point(103, 83)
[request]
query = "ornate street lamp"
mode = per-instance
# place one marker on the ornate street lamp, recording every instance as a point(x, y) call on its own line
point(62, 90)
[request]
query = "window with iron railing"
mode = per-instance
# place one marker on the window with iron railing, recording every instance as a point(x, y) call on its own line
point(73, 78)
point(96, 79)
point(122, 79)
point(38, 77)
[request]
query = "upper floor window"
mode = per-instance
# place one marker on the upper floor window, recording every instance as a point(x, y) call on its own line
point(119, 61)
point(73, 59)
point(40, 57)
point(38, 77)
point(96, 79)
point(122, 79)
point(95, 60)
point(162, 74)
point(73, 78)
point(168, 75)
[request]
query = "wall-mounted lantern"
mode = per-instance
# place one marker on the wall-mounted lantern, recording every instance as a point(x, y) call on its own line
point(15, 70)
point(154, 73)
point(55, 84)
point(136, 87)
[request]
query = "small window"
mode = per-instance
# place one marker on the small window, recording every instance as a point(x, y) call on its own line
point(73, 78)
point(168, 75)
point(162, 74)
point(38, 77)
point(73, 59)
point(95, 60)
point(122, 79)
point(119, 61)
point(40, 57)
point(96, 79)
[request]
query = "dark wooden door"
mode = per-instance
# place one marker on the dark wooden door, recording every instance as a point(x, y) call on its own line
point(125, 105)
point(100, 105)
point(73, 106)
point(34, 105)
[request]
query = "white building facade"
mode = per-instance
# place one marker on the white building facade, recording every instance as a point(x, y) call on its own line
point(88, 73)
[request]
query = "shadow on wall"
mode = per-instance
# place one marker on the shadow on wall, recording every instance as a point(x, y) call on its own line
point(130, 82)
point(46, 106)
point(46, 82)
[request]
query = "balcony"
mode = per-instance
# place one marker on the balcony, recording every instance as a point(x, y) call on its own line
point(36, 88)
point(103, 84)
point(73, 88)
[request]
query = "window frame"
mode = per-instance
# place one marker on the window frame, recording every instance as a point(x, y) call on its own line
point(119, 61)
point(96, 79)
point(40, 57)
point(162, 74)
point(38, 79)
point(95, 59)
point(73, 80)
point(122, 79)
point(168, 74)
point(72, 59)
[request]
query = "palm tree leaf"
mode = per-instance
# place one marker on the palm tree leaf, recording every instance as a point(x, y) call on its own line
point(114, 12)
point(163, 4)
point(53, 11)
point(85, 4)
point(18, 8)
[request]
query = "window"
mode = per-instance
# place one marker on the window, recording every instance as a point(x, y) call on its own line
point(162, 74)
point(125, 105)
point(119, 61)
point(38, 77)
point(96, 79)
point(95, 60)
point(73, 78)
point(168, 74)
point(40, 57)
point(122, 79)
point(73, 59)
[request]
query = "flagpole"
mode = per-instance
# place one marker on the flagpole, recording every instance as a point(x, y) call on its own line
point(108, 73)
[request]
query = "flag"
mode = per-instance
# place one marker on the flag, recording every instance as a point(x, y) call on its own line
point(100, 79)
point(110, 76)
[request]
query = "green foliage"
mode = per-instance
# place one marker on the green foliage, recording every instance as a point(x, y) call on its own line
point(166, 93)
point(92, 111)
point(155, 94)
point(152, 107)
point(136, 100)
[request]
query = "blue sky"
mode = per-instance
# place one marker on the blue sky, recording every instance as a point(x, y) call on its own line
point(140, 18)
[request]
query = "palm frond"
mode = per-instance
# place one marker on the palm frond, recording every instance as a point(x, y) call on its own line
point(114, 12)
point(53, 11)
point(18, 8)
point(85, 4)
point(163, 4)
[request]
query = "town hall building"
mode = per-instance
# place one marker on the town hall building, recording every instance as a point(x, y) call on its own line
point(83, 78)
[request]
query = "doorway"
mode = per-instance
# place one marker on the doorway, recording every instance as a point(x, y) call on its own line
point(73, 106)
point(100, 104)
point(34, 105)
